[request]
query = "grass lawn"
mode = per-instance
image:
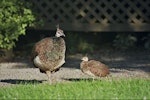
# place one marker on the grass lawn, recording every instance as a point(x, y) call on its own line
point(84, 89)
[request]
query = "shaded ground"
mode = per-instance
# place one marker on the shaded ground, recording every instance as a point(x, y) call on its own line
point(133, 64)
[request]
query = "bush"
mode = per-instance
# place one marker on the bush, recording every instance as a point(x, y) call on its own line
point(124, 41)
point(15, 16)
point(71, 42)
point(76, 43)
point(146, 40)
point(85, 47)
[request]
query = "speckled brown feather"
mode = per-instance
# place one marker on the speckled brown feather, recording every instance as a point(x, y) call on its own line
point(95, 67)
point(50, 51)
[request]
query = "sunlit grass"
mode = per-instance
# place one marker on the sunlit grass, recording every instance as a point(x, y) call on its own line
point(84, 89)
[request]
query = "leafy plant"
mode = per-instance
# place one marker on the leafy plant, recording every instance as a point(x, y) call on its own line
point(124, 41)
point(146, 40)
point(85, 47)
point(72, 41)
point(15, 16)
point(77, 43)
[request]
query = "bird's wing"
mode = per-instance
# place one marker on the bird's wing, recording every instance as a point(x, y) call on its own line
point(97, 68)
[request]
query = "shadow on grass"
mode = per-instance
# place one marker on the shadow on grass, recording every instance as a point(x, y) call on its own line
point(18, 81)
point(79, 79)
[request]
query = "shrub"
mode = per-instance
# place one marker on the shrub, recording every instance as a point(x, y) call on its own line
point(71, 42)
point(85, 47)
point(15, 16)
point(77, 43)
point(146, 40)
point(124, 41)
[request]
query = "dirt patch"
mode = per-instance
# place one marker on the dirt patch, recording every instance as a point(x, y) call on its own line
point(121, 65)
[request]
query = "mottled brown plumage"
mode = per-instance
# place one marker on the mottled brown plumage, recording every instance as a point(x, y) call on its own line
point(49, 53)
point(94, 68)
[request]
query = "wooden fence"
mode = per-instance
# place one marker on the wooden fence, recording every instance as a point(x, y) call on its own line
point(94, 15)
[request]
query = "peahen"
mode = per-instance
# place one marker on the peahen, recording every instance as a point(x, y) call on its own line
point(49, 53)
point(93, 67)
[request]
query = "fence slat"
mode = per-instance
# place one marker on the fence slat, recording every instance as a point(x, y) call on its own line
point(96, 15)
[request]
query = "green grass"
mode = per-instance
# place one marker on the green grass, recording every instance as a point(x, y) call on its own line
point(84, 89)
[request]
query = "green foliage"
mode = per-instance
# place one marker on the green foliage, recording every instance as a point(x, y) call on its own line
point(85, 47)
point(71, 42)
point(82, 89)
point(124, 41)
point(15, 16)
point(146, 40)
point(77, 43)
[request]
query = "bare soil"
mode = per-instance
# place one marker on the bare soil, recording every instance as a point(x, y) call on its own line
point(133, 64)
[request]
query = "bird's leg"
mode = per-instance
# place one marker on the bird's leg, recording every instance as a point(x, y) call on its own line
point(49, 76)
point(93, 78)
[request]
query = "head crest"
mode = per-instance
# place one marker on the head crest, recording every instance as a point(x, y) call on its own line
point(57, 26)
point(59, 32)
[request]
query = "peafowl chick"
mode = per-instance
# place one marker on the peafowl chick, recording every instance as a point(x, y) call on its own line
point(49, 53)
point(93, 68)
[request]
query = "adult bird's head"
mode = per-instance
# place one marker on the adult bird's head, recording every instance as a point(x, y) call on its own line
point(59, 32)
